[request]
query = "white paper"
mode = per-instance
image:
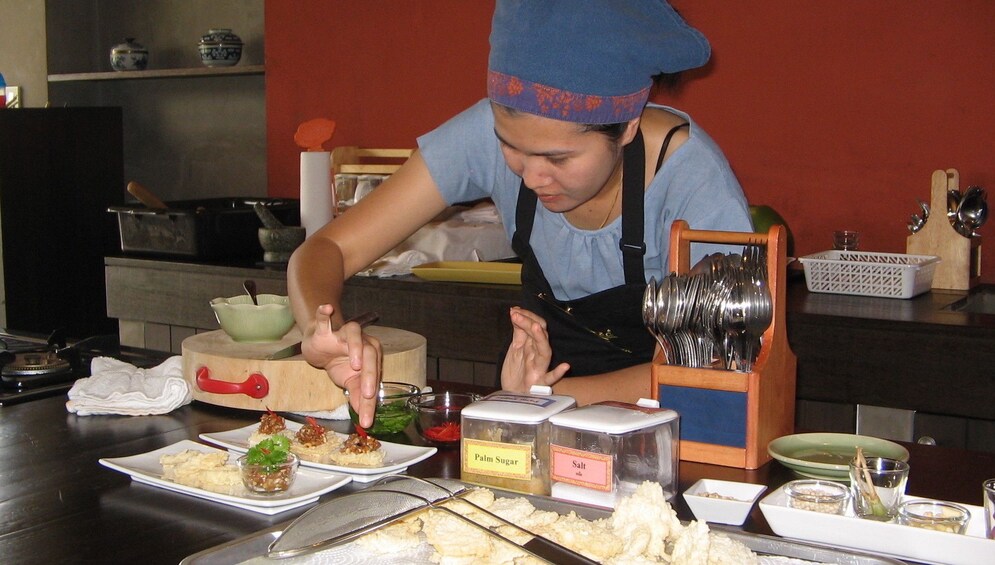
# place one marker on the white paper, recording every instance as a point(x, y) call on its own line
point(317, 201)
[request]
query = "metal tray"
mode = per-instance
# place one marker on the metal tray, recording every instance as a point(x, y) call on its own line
point(202, 229)
point(252, 548)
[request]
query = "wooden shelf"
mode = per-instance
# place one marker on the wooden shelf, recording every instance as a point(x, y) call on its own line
point(160, 73)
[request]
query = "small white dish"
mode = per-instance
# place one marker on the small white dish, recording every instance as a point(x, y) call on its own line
point(722, 502)
point(397, 457)
point(309, 485)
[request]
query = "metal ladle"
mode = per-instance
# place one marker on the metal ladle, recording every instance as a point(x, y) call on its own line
point(250, 288)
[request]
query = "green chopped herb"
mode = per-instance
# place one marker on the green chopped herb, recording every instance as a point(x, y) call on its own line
point(270, 453)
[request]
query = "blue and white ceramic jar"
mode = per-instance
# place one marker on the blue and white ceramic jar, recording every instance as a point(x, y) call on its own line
point(129, 56)
point(220, 48)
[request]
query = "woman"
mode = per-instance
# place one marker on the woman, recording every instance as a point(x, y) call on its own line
point(586, 176)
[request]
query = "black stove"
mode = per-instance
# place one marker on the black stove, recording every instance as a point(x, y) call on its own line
point(33, 367)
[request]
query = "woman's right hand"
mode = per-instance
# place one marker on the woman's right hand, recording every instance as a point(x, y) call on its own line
point(351, 358)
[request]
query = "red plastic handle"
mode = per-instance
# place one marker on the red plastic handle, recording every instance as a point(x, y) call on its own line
point(256, 386)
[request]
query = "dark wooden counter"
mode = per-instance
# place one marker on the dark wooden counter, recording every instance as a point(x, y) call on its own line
point(917, 354)
point(911, 354)
point(61, 506)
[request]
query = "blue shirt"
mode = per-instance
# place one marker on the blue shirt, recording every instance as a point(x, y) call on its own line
point(695, 184)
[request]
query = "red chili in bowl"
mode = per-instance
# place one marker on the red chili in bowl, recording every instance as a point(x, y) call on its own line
point(444, 432)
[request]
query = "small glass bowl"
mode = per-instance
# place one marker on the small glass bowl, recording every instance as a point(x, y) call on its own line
point(828, 497)
point(268, 479)
point(934, 515)
point(393, 413)
point(437, 415)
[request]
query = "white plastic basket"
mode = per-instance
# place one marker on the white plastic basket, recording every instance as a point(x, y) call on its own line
point(889, 275)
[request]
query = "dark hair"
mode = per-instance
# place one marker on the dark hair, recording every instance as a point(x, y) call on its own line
point(612, 131)
point(667, 81)
point(662, 81)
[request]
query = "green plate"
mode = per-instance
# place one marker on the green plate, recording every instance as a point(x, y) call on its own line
point(827, 456)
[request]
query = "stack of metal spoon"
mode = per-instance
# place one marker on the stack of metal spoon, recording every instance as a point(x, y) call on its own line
point(715, 315)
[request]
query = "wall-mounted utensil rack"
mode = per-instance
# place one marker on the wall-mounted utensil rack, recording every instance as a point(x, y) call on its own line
point(729, 417)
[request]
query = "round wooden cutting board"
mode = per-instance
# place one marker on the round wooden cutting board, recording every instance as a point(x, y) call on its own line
point(293, 384)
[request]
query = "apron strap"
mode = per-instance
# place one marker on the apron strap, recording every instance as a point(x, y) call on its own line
point(633, 242)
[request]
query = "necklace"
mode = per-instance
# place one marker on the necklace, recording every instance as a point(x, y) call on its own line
point(611, 209)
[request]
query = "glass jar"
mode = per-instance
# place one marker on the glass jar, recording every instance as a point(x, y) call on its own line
point(505, 439)
point(603, 452)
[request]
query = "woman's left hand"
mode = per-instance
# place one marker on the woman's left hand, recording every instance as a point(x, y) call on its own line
point(528, 357)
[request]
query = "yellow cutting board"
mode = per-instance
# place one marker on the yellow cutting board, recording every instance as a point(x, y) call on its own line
point(289, 384)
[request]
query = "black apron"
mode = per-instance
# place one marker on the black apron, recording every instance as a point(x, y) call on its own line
point(604, 331)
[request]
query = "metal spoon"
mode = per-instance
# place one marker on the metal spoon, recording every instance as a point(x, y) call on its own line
point(973, 209)
point(250, 288)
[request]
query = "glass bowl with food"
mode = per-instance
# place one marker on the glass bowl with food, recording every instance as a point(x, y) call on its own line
point(934, 515)
point(828, 497)
point(393, 413)
point(269, 467)
point(437, 415)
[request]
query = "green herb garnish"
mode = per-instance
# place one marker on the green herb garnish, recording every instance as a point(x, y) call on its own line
point(269, 453)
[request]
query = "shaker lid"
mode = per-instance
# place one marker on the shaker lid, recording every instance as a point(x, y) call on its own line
point(518, 407)
point(614, 417)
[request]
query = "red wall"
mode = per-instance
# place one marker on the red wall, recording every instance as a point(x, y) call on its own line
point(833, 113)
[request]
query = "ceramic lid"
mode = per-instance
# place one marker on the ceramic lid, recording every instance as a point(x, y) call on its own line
point(615, 417)
point(221, 36)
point(519, 408)
point(129, 46)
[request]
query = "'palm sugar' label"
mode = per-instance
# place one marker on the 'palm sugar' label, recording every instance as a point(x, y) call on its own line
point(497, 459)
point(581, 468)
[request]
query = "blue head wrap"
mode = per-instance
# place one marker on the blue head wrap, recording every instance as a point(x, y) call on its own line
point(586, 61)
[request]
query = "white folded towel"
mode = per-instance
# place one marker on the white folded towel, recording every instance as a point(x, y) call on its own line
point(392, 265)
point(116, 387)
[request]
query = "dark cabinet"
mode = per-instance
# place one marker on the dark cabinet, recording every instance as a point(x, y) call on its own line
point(60, 169)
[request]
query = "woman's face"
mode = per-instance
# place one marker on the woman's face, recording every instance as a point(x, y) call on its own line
point(564, 165)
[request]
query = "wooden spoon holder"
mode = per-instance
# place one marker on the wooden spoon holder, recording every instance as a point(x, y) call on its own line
point(960, 268)
point(729, 417)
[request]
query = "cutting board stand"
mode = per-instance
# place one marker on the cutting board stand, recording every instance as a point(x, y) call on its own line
point(729, 417)
point(960, 267)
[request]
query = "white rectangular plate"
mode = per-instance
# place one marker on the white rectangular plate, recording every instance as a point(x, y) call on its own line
point(308, 486)
point(904, 542)
point(397, 457)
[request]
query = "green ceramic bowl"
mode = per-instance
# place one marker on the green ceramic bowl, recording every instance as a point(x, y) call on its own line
point(246, 322)
point(827, 455)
